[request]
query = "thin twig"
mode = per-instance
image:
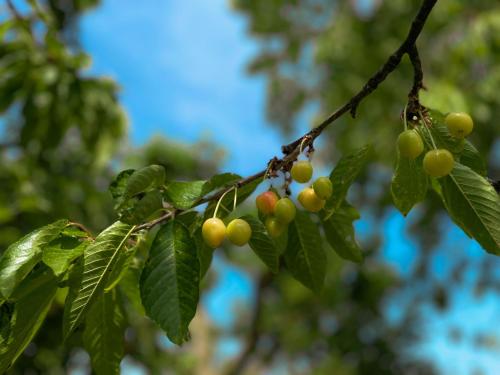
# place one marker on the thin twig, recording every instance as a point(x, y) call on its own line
point(82, 227)
point(418, 77)
point(292, 150)
point(160, 219)
point(254, 334)
point(389, 66)
point(14, 11)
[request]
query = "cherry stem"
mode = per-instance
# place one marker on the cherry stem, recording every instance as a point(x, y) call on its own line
point(424, 123)
point(235, 198)
point(220, 200)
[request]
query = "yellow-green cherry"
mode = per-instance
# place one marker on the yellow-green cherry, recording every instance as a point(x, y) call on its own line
point(266, 202)
point(302, 171)
point(323, 187)
point(310, 201)
point(274, 227)
point(459, 124)
point(438, 163)
point(410, 144)
point(213, 232)
point(239, 232)
point(285, 210)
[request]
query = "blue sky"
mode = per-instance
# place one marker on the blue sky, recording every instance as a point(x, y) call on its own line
point(181, 65)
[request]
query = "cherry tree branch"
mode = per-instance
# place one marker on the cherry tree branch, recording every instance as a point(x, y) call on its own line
point(418, 77)
point(387, 68)
point(14, 11)
point(292, 150)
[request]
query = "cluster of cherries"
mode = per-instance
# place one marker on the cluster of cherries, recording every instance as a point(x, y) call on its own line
point(278, 212)
point(438, 162)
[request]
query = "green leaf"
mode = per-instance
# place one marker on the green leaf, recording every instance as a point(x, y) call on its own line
point(205, 253)
point(339, 232)
point(220, 181)
point(99, 259)
point(304, 255)
point(124, 261)
point(20, 257)
point(183, 194)
point(74, 232)
point(142, 180)
point(262, 244)
point(61, 252)
point(474, 204)
point(6, 312)
point(441, 135)
point(409, 184)
point(227, 202)
point(344, 174)
point(471, 158)
point(103, 335)
point(192, 220)
point(129, 286)
point(170, 281)
point(118, 186)
point(29, 313)
point(138, 210)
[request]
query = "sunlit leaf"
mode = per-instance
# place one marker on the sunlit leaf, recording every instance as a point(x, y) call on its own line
point(20, 258)
point(474, 204)
point(183, 194)
point(61, 252)
point(98, 262)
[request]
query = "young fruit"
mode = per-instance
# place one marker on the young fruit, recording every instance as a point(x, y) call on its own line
point(213, 232)
point(410, 144)
point(302, 171)
point(274, 227)
point(438, 163)
point(323, 188)
point(266, 202)
point(239, 232)
point(459, 124)
point(310, 201)
point(284, 211)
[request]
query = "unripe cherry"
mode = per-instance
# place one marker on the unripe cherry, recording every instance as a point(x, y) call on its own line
point(285, 210)
point(239, 232)
point(410, 144)
point(459, 124)
point(266, 202)
point(274, 227)
point(213, 232)
point(438, 163)
point(310, 201)
point(323, 187)
point(302, 171)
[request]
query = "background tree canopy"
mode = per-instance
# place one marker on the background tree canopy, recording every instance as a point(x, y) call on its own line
point(64, 139)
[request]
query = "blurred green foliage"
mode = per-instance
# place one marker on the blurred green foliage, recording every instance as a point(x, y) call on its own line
point(65, 134)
